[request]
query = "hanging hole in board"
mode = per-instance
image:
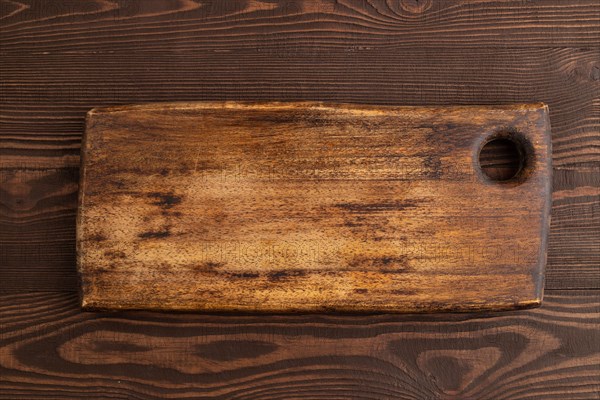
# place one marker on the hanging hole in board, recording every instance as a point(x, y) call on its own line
point(504, 157)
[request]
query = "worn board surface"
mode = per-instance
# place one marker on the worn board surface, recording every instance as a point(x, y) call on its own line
point(307, 207)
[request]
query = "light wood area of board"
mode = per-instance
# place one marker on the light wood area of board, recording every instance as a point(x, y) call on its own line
point(311, 206)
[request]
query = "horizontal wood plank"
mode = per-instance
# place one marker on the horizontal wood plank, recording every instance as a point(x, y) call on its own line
point(49, 349)
point(94, 25)
point(574, 241)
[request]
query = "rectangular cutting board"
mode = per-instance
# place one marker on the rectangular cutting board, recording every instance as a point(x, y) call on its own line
point(308, 207)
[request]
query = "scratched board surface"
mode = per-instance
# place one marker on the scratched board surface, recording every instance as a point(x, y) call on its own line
point(308, 207)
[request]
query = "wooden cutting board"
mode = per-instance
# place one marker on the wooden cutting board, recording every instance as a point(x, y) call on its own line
point(287, 207)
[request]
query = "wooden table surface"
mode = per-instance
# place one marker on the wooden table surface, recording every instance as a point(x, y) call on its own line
point(59, 59)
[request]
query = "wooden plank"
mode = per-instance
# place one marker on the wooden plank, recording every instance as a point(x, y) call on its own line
point(574, 241)
point(49, 349)
point(308, 206)
point(35, 27)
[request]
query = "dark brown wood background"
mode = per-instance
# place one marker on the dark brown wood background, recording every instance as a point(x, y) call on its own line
point(61, 58)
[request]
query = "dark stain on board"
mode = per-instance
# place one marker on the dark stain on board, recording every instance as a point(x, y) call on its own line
point(98, 237)
point(114, 254)
point(213, 264)
point(117, 183)
point(433, 166)
point(155, 234)
point(165, 200)
point(242, 275)
point(281, 275)
point(368, 208)
point(386, 265)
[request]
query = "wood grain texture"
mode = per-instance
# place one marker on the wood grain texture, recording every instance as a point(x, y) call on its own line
point(49, 349)
point(61, 58)
point(309, 206)
point(32, 26)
